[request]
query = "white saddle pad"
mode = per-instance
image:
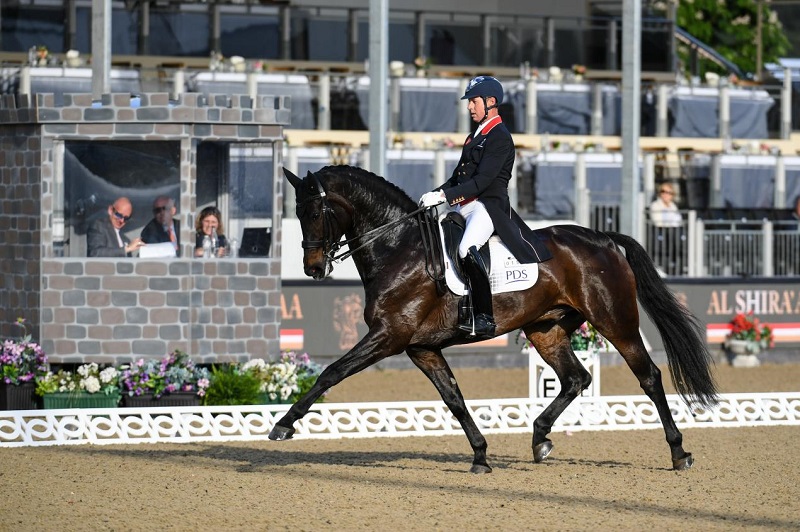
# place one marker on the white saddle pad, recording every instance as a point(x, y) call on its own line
point(506, 274)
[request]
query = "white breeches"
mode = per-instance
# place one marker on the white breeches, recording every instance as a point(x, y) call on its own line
point(479, 226)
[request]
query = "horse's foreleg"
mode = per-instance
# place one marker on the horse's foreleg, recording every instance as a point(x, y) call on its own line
point(436, 368)
point(375, 346)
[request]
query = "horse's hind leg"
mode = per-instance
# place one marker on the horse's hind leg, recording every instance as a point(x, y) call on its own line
point(435, 367)
point(633, 351)
point(554, 347)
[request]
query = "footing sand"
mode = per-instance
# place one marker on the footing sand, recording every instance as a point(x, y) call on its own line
point(743, 479)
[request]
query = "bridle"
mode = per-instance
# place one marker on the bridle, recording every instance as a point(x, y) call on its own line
point(327, 244)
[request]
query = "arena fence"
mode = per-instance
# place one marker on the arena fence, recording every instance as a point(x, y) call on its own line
point(364, 420)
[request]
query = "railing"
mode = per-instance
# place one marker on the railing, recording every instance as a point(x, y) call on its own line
point(715, 248)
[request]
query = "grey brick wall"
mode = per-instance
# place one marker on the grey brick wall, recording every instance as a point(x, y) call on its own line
point(159, 306)
point(109, 310)
point(20, 215)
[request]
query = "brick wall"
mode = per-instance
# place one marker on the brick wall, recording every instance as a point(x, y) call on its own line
point(20, 237)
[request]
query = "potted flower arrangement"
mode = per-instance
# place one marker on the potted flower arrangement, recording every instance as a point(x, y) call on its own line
point(89, 386)
point(21, 362)
point(174, 380)
point(584, 339)
point(284, 381)
point(422, 64)
point(232, 386)
point(747, 338)
point(578, 71)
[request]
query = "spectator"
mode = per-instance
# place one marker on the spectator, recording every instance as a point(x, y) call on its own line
point(796, 210)
point(104, 237)
point(209, 221)
point(163, 228)
point(663, 211)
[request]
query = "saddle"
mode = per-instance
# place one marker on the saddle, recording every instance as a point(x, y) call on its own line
point(453, 226)
point(441, 242)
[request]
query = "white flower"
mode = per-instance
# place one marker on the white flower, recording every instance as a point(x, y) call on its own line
point(108, 375)
point(87, 369)
point(258, 364)
point(91, 384)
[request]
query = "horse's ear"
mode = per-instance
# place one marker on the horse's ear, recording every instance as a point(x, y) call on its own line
point(293, 179)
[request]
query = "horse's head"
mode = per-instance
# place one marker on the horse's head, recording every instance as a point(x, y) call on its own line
point(322, 221)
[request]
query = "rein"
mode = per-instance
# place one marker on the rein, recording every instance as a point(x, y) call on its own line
point(374, 233)
point(329, 249)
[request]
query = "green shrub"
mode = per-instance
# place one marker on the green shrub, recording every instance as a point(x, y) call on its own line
point(230, 387)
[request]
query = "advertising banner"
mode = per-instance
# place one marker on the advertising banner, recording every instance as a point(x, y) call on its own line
point(327, 318)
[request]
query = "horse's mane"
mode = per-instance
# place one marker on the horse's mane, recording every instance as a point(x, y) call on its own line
point(372, 184)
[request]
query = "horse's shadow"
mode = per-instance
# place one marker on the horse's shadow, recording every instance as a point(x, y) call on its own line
point(251, 459)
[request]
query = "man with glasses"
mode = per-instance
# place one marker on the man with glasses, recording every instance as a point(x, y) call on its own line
point(163, 228)
point(104, 237)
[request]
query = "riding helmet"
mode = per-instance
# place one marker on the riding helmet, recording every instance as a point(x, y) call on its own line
point(484, 86)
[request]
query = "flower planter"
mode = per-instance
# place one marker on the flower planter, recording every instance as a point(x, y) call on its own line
point(18, 396)
point(80, 400)
point(745, 361)
point(743, 347)
point(170, 399)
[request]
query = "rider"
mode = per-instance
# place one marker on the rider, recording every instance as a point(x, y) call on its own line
point(478, 189)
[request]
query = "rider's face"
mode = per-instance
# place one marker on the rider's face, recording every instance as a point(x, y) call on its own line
point(477, 109)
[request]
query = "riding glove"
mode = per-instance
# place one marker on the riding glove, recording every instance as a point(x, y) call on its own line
point(430, 199)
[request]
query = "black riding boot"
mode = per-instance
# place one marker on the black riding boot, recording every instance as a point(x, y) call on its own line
point(482, 322)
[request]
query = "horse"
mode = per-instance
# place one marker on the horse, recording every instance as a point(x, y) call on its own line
point(592, 276)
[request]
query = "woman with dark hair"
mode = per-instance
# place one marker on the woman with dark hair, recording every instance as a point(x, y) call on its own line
point(209, 222)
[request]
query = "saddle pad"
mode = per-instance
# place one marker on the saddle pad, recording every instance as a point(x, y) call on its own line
point(506, 273)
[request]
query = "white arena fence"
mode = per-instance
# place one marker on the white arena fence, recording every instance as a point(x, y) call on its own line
point(365, 420)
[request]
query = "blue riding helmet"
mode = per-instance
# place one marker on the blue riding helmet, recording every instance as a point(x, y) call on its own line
point(484, 86)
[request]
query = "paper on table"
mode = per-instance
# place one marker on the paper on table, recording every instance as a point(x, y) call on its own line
point(162, 250)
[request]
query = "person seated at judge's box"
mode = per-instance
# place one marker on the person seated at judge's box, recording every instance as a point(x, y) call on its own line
point(209, 222)
point(104, 237)
point(163, 227)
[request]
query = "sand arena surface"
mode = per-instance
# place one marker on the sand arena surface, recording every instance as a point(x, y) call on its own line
point(743, 479)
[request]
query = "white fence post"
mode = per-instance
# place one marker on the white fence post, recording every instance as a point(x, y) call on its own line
point(768, 263)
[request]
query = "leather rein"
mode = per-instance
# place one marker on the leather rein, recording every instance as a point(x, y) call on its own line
point(329, 249)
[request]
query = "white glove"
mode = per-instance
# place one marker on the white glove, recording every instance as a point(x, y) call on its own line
point(430, 199)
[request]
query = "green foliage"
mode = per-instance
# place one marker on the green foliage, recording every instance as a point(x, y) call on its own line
point(231, 387)
point(730, 28)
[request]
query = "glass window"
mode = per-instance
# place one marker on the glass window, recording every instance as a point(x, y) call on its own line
point(97, 173)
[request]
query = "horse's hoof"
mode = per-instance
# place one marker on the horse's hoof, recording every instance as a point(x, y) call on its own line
point(682, 464)
point(279, 433)
point(542, 451)
point(480, 469)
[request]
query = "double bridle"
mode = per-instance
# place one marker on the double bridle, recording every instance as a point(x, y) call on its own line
point(330, 247)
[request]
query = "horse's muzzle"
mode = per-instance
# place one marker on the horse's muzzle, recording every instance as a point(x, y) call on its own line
point(316, 272)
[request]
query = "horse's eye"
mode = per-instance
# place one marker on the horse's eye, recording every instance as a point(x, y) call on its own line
point(315, 215)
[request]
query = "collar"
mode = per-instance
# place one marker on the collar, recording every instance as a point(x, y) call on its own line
point(487, 126)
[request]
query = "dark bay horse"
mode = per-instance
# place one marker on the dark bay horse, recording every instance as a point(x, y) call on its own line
point(588, 279)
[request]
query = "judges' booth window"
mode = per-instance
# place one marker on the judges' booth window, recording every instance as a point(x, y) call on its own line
point(248, 198)
point(96, 174)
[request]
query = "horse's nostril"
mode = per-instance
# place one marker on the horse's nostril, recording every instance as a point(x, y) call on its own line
point(314, 271)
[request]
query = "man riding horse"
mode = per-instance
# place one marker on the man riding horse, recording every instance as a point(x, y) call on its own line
point(478, 189)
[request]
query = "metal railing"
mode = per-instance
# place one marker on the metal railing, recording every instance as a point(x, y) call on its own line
point(715, 248)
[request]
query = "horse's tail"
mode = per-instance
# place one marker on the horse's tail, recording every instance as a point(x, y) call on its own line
point(683, 335)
